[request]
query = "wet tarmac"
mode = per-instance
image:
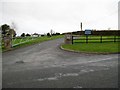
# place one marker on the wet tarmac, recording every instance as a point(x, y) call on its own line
point(45, 65)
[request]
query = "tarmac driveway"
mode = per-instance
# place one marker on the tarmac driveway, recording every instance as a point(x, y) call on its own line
point(45, 65)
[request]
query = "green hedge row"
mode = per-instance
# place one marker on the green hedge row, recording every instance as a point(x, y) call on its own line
point(101, 32)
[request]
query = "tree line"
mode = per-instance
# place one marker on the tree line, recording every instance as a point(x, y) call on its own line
point(6, 30)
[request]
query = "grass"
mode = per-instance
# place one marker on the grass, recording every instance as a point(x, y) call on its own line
point(94, 46)
point(34, 41)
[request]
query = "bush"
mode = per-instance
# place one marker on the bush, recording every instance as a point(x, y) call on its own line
point(23, 35)
point(48, 34)
point(28, 34)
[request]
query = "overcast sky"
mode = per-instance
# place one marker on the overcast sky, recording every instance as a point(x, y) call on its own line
point(41, 16)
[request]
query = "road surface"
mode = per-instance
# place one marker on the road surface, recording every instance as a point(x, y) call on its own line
point(45, 65)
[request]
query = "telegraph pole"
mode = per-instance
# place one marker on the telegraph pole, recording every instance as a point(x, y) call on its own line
point(51, 32)
point(81, 26)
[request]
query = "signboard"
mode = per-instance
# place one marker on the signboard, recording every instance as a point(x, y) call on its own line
point(87, 31)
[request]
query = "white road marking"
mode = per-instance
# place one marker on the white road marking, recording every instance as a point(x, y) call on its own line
point(103, 59)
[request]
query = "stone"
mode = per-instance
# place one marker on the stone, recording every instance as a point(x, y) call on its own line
point(68, 39)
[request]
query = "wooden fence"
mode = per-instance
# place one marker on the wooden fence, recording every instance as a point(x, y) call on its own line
point(92, 38)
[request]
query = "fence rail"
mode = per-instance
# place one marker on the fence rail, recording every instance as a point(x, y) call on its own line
point(21, 40)
point(91, 39)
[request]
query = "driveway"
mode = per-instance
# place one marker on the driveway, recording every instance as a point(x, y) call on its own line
point(45, 65)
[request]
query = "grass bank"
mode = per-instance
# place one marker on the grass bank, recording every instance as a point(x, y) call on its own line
point(34, 41)
point(109, 47)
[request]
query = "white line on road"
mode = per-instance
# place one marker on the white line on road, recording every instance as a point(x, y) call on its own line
point(103, 59)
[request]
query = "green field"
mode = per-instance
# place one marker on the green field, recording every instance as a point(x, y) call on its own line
point(17, 43)
point(94, 46)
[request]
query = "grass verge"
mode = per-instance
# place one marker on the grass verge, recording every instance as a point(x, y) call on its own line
point(109, 47)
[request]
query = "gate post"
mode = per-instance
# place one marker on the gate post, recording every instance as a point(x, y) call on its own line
point(86, 38)
point(101, 39)
point(7, 42)
point(114, 38)
point(68, 39)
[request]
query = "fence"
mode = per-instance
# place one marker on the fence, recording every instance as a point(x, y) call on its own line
point(94, 39)
point(19, 40)
point(100, 32)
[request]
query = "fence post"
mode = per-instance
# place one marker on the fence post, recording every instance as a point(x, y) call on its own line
point(72, 39)
point(114, 38)
point(86, 38)
point(101, 39)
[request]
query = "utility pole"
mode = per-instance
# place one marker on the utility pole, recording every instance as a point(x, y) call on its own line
point(51, 32)
point(81, 26)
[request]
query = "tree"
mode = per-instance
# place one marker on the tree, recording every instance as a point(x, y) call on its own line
point(28, 34)
point(48, 34)
point(5, 28)
point(53, 34)
point(57, 33)
point(42, 35)
point(23, 35)
point(12, 33)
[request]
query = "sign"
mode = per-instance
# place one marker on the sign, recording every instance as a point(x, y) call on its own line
point(87, 31)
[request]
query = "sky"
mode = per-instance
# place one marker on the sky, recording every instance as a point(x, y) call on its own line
point(40, 16)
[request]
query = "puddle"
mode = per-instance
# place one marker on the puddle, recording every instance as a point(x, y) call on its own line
point(70, 74)
point(78, 86)
point(58, 75)
point(52, 78)
point(86, 71)
point(41, 79)
point(49, 78)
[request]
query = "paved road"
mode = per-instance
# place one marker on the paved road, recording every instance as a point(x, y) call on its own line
point(45, 65)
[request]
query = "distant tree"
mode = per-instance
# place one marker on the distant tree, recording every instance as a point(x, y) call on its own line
point(53, 34)
point(6, 30)
point(57, 33)
point(48, 34)
point(42, 35)
point(28, 34)
point(23, 35)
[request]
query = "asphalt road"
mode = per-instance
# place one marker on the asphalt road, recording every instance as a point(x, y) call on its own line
point(45, 65)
